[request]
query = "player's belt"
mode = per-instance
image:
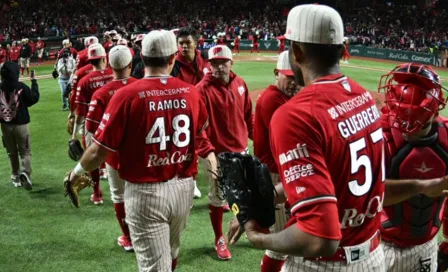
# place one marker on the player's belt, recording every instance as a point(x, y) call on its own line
point(353, 254)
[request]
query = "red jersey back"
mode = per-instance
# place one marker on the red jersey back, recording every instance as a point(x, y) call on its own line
point(87, 86)
point(100, 100)
point(82, 59)
point(328, 145)
point(152, 123)
point(75, 80)
point(267, 103)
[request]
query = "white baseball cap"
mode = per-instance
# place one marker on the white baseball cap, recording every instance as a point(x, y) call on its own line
point(116, 37)
point(96, 51)
point(283, 65)
point(122, 42)
point(219, 52)
point(113, 32)
point(140, 37)
point(88, 41)
point(159, 43)
point(66, 41)
point(314, 23)
point(119, 57)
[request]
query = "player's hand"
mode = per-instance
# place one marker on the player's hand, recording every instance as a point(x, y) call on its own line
point(73, 177)
point(235, 231)
point(254, 232)
point(435, 187)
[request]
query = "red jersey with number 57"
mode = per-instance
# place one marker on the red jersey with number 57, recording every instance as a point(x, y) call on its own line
point(100, 100)
point(328, 145)
point(152, 123)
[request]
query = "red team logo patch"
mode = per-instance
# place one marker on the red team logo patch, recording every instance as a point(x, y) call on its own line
point(217, 50)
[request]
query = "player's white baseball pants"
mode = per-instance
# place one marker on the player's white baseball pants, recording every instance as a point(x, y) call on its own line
point(280, 221)
point(116, 185)
point(40, 53)
point(374, 262)
point(215, 194)
point(156, 214)
point(418, 258)
point(24, 62)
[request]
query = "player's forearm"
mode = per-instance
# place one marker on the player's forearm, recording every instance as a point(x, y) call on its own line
point(397, 191)
point(280, 196)
point(93, 157)
point(78, 122)
point(293, 241)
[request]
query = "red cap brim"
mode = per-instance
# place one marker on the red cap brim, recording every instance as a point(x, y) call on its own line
point(287, 72)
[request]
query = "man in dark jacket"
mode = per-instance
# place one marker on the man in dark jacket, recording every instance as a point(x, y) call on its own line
point(25, 55)
point(15, 98)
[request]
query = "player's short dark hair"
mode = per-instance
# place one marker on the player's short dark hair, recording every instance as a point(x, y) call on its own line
point(156, 62)
point(187, 31)
point(323, 55)
point(95, 62)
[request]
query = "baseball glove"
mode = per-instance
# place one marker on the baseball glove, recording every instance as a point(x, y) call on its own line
point(247, 187)
point(55, 74)
point(75, 150)
point(70, 124)
point(72, 189)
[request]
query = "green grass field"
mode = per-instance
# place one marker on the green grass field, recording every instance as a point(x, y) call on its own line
point(41, 231)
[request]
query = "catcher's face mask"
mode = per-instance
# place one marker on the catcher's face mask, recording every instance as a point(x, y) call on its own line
point(413, 95)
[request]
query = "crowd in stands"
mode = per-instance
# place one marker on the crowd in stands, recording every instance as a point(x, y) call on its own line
point(398, 27)
point(379, 25)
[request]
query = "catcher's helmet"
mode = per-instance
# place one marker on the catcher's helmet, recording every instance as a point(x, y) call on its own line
point(413, 96)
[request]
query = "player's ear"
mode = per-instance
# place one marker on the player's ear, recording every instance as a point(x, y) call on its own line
point(296, 53)
point(276, 73)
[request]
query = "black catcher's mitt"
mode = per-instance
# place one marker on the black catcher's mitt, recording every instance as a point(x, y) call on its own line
point(75, 150)
point(248, 188)
point(55, 74)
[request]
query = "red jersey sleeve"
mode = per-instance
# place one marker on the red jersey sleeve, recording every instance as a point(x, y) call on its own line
point(113, 124)
point(297, 146)
point(96, 111)
point(81, 101)
point(203, 143)
point(319, 220)
point(248, 114)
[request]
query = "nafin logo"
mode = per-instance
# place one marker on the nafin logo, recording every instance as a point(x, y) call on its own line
point(299, 152)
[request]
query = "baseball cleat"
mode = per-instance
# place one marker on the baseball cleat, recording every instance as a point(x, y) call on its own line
point(96, 199)
point(126, 243)
point(197, 193)
point(26, 181)
point(222, 250)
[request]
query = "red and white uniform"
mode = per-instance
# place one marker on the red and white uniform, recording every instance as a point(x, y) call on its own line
point(409, 229)
point(230, 122)
point(328, 145)
point(87, 86)
point(236, 47)
point(82, 59)
point(221, 41)
point(14, 54)
point(152, 124)
point(229, 105)
point(267, 103)
point(99, 101)
point(255, 44)
point(2, 55)
point(346, 52)
point(190, 72)
point(40, 46)
point(75, 80)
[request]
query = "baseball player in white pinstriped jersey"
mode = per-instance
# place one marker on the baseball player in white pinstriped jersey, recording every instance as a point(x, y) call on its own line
point(152, 124)
point(335, 207)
